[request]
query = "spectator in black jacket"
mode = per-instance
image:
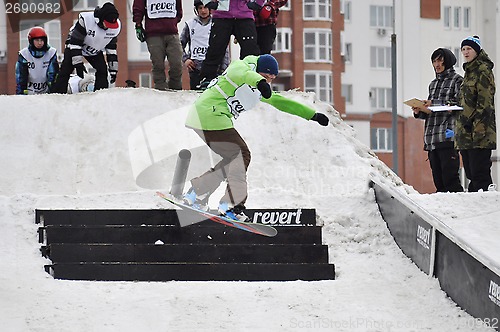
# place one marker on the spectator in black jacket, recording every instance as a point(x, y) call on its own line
point(439, 127)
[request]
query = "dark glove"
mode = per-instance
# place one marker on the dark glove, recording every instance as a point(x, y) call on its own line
point(112, 78)
point(213, 5)
point(265, 12)
point(113, 71)
point(449, 133)
point(321, 119)
point(139, 33)
point(80, 69)
point(264, 88)
point(253, 5)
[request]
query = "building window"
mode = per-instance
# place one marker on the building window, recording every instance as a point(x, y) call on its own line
point(317, 45)
point(347, 53)
point(381, 16)
point(380, 57)
point(145, 80)
point(317, 9)
point(321, 83)
point(283, 41)
point(467, 17)
point(458, 54)
point(346, 8)
point(52, 28)
point(278, 87)
point(381, 139)
point(288, 6)
point(457, 17)
point(447, 17)
point(79, 5)
point(381, 98)
point(347, 93)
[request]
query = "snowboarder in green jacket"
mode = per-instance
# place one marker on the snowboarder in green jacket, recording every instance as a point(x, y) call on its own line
point(244, 83)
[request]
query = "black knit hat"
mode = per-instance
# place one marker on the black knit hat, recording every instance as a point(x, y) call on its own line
point(473, 42)
point(267, 64)
point(108, 13)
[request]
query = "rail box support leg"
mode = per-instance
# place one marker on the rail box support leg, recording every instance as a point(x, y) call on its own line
point(180, 173)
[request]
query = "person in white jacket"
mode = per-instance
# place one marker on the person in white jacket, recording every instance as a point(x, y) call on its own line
point(195, 36)
point(37, 66)
point(94, 33)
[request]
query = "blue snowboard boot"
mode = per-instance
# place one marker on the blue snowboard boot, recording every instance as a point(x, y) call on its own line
point(198, 202)
point(236, 213)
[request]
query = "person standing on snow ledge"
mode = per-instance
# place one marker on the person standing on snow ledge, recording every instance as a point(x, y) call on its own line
point(37, 66)
point(92, 34)
point(238, 89)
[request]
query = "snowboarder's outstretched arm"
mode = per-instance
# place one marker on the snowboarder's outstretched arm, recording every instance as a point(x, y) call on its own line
point(293, 107)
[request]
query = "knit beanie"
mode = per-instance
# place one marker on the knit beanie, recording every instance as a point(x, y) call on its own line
point(107, 13)
point(267, 64)
point(473, 42)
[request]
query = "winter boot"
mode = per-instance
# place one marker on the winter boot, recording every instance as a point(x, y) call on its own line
point(198, 202)
point(236, 213)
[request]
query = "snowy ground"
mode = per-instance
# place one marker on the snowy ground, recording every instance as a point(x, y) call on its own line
point(73, 152)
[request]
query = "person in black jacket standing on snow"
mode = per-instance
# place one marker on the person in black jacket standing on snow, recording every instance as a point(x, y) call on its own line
point(93, 33)
point(439, 129)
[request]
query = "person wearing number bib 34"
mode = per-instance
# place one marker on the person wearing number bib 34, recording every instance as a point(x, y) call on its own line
point(94, 33)
point(37, 66)
point(239, 89)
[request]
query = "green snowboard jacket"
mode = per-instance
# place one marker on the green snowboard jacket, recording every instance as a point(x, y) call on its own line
point(234, 92)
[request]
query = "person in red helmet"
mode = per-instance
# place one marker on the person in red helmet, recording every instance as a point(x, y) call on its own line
point(37, 66)
point(93, 34)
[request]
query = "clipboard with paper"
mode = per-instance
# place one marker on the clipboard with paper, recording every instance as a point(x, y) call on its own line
point(414, 102)
point(443, 108)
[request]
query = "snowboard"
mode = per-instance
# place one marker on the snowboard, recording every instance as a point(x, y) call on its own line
point(248, 226)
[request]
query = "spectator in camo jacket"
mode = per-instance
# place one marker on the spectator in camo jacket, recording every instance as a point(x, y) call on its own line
point(476, 128)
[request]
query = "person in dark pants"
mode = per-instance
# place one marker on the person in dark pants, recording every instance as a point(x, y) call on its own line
point(237, 21)
point(439, 127)
point(161, 35)
point(476, 127)
point(266, 19)
point(194, 37)
point(93, 33)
